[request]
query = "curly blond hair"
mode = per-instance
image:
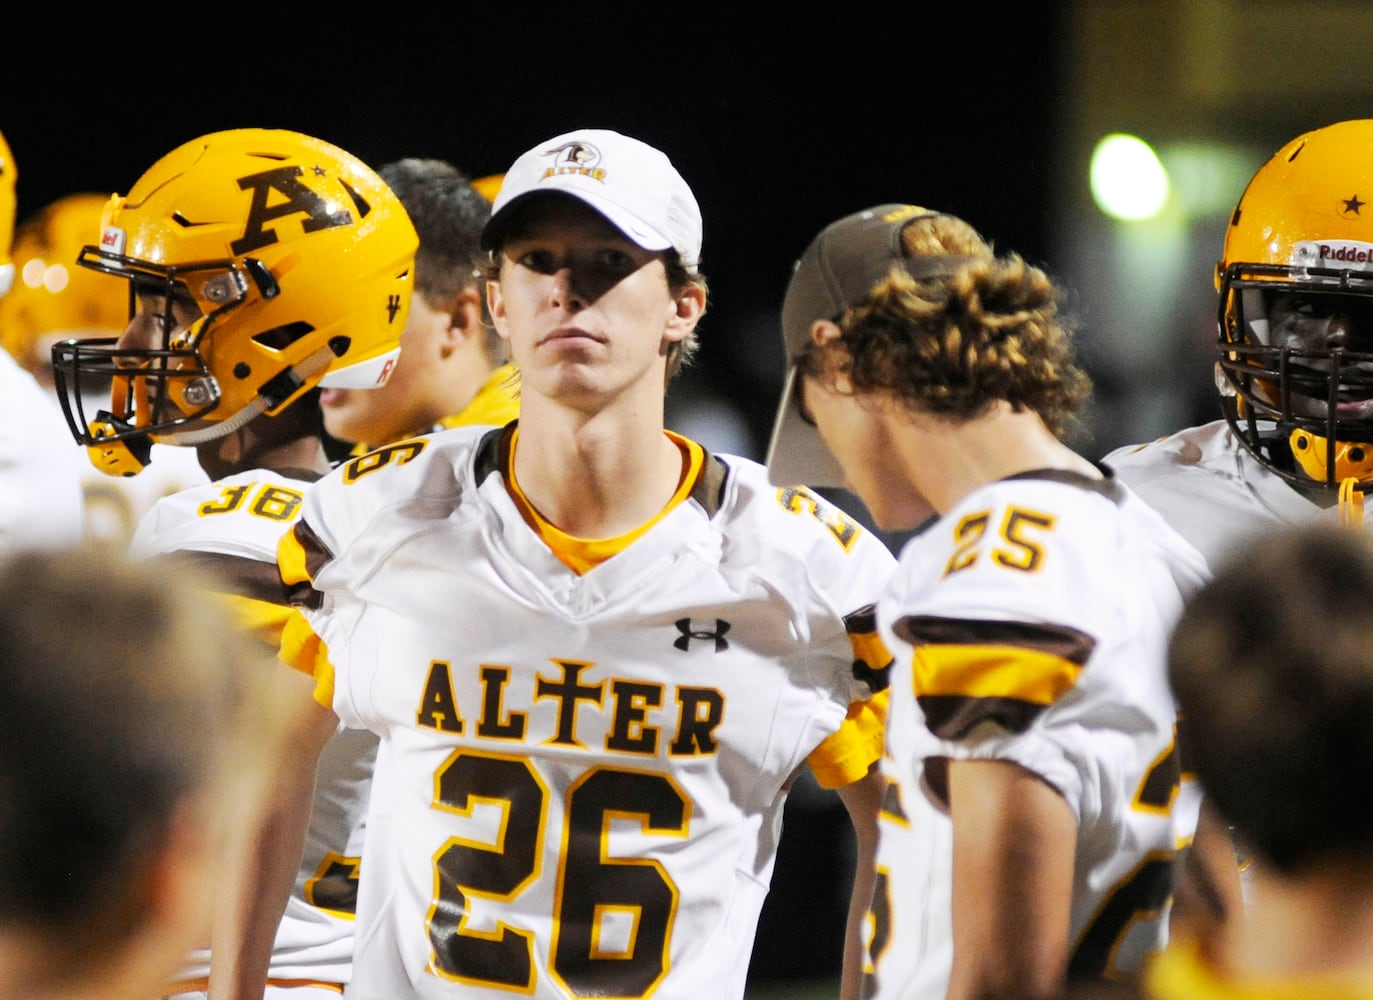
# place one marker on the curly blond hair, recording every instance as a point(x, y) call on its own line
point(956, 344)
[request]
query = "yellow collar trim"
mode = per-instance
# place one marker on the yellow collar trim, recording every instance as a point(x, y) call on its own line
point(584, 554)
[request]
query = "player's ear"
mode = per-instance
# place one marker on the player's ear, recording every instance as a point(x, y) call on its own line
point(464, 310)
point(495, 306)
point(823, 331)
point(688, 306)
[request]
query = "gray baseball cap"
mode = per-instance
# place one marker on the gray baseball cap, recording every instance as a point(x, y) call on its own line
point(837, 271)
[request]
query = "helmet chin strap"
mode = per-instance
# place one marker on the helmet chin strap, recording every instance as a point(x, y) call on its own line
point(220, 429)
point(1353, 465)
point(307, 369)
point(1351, 504)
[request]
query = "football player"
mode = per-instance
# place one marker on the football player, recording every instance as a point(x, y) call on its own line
point(597, 656)
point(1294, 363)
point(1294, 356)
point(40, 471)
point(263, 264)
point(53, 299)
point(1027, 835)
point(450, 370)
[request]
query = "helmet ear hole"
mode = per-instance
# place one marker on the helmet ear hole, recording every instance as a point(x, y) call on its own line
point(281, 337)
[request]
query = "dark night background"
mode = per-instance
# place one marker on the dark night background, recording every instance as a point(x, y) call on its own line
point(780, 122)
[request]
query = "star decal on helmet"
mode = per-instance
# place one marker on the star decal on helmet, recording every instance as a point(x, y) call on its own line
point(1352, 205)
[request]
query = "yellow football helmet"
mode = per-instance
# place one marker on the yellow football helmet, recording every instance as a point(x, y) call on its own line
point(9, 174)
point(1295, 368)
point(489, 186)
point(51, 298)
point(300, 260)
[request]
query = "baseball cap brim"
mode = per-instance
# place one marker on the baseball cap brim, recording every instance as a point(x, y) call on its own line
point(797, 455)
point(839, 269)
point(628, 182)
point(493, 235)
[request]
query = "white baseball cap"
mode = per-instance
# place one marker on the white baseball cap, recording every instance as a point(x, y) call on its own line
point(838, 271)
point(632, 184)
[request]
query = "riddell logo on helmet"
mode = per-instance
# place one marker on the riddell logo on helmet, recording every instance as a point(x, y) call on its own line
point(113, 240)
point(1354, 254)
point(1346, 252)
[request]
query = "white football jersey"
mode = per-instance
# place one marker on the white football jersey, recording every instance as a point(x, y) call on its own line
point(581, 779)
point(1030, 624)
point(114, 505)
point(40, 466)
point(1212, 491)
point(232, 526)
point(1219, 497)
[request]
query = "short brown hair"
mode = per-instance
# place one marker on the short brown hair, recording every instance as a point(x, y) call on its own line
point(1272, 666)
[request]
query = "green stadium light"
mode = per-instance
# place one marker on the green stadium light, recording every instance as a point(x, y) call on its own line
point(1128, 180)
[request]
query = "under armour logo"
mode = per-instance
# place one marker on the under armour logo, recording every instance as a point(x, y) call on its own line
point(689, 633)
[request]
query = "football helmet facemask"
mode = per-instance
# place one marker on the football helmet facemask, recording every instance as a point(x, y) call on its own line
point(295, 263)
point(1295, 366)
point(489, 186)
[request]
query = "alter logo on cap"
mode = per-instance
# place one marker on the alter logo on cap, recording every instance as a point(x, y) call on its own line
point(575, 158)
point(634, 186)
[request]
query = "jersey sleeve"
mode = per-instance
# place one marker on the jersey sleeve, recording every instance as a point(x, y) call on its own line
point(301, 554)
point(846, 755)
point(1022, 641)
point(228, 530)
point(350, 520)
point(334, 529)
point(303, 650)
point(848, 569)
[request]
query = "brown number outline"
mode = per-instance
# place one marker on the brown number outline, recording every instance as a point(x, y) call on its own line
point(334, 886)
point(275, 503)
point(1021, 552)
point(1145, 892)
point(591, 881)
